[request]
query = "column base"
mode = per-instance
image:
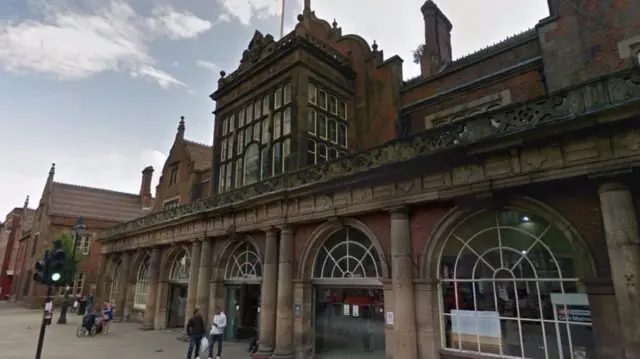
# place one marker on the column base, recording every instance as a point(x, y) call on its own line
point(260, 355)
point(282, 355)
point(147, 327)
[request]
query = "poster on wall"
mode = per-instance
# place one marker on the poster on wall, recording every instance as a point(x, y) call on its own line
point(355, 311)
point(346, 310)
point(390, 318)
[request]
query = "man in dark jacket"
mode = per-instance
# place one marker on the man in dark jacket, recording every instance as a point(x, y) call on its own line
point(195, 331)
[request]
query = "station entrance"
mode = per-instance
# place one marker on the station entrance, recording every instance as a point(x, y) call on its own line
point(348, 298)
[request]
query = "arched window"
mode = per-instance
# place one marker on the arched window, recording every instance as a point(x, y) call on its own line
point(115, 284)
point(252, 164)
point(142, 283)
point(348, 253)
point(509, 286)
point(244, 264)
point(181, 268)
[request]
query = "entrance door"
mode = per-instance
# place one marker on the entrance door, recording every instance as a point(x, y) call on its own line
point(243, 302)
point(177, 306)
point(349, 322)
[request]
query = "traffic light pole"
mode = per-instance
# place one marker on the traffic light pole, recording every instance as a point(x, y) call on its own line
point(46, 320)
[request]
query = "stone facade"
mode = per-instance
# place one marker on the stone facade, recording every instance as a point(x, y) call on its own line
point(520, 147)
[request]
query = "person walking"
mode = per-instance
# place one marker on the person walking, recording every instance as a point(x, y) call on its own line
point(195, 331)
point(217, 331)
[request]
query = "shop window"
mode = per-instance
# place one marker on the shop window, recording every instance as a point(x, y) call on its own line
point(509, 283)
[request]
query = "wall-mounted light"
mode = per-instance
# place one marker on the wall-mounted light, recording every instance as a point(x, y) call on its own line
point(525, 219)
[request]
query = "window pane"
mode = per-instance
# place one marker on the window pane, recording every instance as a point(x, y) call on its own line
point(312, 93)
point(277, 125)
point(229, 172)
point(342, 110)
point(256, 109)
point(249, 113)
point(322, 153)
point(264, 163)
point(225, 129)
point(240, 142)
point(287, 93)
point(311, 152)
point(342, 135)
point(265, 105)
point(252, 164)
point(221, 177)
point(241, 118)
point(265, 130)
point(322, 125)
point(247, 135)
point(333, 105)
point(333, 130)
point(286, 121)
point(230, 146)
point(322, 99)
point(232, 122)
point(277, 158)
point(239, 169)
point(286, 152)
point(333, 153)
point(277, 98)
point(256, 131)
point(311, 125)
point(223, 149)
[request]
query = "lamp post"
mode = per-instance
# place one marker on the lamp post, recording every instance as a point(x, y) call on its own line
point(78, 231)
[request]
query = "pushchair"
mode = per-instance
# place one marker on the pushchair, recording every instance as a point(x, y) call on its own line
point(91, 325)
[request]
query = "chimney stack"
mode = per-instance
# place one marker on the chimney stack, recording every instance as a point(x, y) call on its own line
point(145, 187)
point(437, 40)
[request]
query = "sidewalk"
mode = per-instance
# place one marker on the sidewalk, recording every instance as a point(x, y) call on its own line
point(20, 328)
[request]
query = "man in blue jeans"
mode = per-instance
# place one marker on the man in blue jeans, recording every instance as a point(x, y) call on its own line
point(195, 331)
point(217, 331)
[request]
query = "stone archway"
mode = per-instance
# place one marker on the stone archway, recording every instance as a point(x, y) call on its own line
point(517, 268)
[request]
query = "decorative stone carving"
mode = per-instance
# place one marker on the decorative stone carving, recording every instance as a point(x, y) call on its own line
point(623, 88)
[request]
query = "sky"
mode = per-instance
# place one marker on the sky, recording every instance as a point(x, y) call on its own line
point(98, 86)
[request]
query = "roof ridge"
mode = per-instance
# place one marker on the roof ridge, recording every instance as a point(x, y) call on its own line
point(509, 40)
point(197, 143)
point(96, 188)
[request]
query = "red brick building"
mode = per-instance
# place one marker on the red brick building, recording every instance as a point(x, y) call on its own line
point(59, 207)
point(10, 233)
point(485, 208)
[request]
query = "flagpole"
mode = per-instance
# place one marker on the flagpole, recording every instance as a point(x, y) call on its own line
point(282, 20)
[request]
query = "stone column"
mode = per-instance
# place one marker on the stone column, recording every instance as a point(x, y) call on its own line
point(269, 292)
point(402, 284)
point(100, 278)
point(148, 321)
point(204, 275)
point(284, 320)
point(123, 286)
point(192, 290)
point(621, 233)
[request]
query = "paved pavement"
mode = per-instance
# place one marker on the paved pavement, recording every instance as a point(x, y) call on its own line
point(20, 328)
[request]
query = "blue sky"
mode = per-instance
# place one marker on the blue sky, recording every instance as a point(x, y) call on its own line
point(98, 86)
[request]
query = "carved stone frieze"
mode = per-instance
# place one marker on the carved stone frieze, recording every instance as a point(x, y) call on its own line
point(620, 89)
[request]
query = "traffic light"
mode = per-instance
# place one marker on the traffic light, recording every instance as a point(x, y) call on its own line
point(41, 274)
point(56, 268)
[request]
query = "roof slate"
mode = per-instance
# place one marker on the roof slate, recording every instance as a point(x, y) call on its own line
point(79, 201)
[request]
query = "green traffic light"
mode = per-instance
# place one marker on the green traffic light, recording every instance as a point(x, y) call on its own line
point(55, 277)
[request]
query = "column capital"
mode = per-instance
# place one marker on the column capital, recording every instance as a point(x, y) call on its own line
point(286, 229)
point(398, 212)
point(612, 186)
point(271, 230)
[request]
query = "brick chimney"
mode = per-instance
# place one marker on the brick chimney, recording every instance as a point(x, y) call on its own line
point(437, 40)
point(145, 187)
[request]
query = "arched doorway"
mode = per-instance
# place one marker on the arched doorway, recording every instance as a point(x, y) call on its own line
point(243, 278)
point(348, 296)
point(178, 283)
point(509, 286)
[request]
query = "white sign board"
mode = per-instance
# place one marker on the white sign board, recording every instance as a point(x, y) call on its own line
point(390, 318)
point(355, 311)
point(471, 322)
point(346, 310)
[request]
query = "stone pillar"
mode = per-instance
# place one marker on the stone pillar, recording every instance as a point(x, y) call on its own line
point(123, 286)
point(192, 290)
point(284, 320)
point(623, 245)
point(148, 321)
point(100, 278)
point(204, 275)
point(402, 284)
point(269, 292)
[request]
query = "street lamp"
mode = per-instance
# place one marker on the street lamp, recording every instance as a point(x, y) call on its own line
point(78, 232)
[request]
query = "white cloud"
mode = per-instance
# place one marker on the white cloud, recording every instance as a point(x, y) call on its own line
point(71, 45)
point(208, 65)
point(244, 10)
point(113, 170)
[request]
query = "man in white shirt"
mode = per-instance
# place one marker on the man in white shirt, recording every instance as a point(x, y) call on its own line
point(217, 332)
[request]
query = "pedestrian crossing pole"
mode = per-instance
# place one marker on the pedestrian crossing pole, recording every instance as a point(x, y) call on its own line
point(46, 320)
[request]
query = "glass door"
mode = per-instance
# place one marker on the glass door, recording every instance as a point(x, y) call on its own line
point(233, 312)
